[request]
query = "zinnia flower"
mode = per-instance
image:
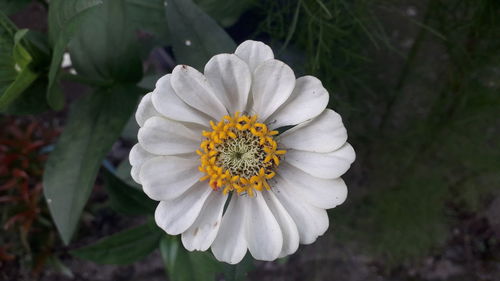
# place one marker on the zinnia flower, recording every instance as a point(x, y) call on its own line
point(210, 150)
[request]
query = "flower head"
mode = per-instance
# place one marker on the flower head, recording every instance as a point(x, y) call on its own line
point(213, 139)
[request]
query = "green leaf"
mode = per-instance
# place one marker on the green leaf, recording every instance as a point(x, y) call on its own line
point(105, 47)
point(95, 122)
point(10, 7)
point(16, 74)
point(195, 36)
point(63, 13)
point(32, 100)
point(239, 272)
point(126, 199)
point(59, 266)
point(124, 247)
point(225, 12)
point(21, 56)
point(65, 16)
point(182, 265)
point(8, 72)
point(149, 16)
point(37, 45)
point(22, 82)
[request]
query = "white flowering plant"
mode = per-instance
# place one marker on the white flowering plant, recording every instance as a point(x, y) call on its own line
point(211, 136)
point(241, 157)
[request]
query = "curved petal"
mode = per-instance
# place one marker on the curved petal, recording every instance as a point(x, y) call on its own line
point(202, 233)
point(311, 222)
point(322, 193)
point(177, 215)
point(167, 177)
point(323, 165)
point(273, 82)
point(193, 88)
point(145, 110)
point(230, 244)
point(254, 53)
point(263, 233)
point(308, 99)
point(231, 79)
point(287, 225)
point(166, 101)
point(138, 155)
point(324, 133)
point(166, 137)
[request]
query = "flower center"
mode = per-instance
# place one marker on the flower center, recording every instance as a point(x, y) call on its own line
point(239, 154)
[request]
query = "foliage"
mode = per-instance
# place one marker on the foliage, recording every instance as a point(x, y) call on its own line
point(28, 234)
point(124, 247)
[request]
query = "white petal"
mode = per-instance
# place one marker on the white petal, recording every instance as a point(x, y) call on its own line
point(311, 222)
point(263, 233)
point(137, 157)
point(231, 79)
point(135, 172)
point(193, 88)
point(167, 177)
point(273, 82)
point(308, 99)
point(287, 225)
point(202, 233)
point(166, 137)
point(177, 215)
point(322, 193)
point(322, 165)
point(230, 244)
point(324, 133)
point(254, 53)
point(166, 101)
point(145, 110)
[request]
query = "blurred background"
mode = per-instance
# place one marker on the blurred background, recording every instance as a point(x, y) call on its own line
point(417, 83)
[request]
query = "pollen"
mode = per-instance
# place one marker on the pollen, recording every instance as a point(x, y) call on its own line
point(239, 154)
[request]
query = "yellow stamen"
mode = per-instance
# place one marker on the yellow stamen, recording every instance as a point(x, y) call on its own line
point(224, 147)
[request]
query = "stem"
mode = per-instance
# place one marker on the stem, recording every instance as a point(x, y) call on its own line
point(410, 59)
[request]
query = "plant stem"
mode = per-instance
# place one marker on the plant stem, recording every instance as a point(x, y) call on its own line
point(410, 59)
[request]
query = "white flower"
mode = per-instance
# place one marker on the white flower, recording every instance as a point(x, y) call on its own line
point(210, 138)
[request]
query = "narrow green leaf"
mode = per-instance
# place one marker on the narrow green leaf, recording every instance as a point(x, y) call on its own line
point(21, 56)
point(65, 16)
point(182, 265)
point(195, 36)
point(105, 47)
point(95, 122)
point(8, 72)
point(59, 266)
point(32, 100)
point(126, 199)
point(16, 75)
point(124, 247)
point(37, 45)
point(22, 82)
